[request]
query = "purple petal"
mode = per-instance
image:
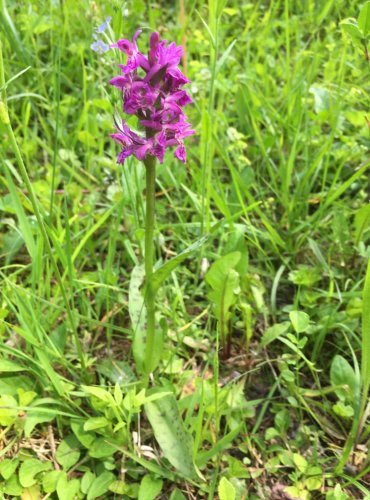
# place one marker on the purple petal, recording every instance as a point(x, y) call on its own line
point(125, 153)
point(156, 125)
point(158, 151)
point(142, 151)
point(153, 47)
point(123, 45)
point(119, 81)
point(135, 37)
point(180, 153)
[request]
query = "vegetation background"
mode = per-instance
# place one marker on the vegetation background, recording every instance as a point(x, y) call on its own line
point(270, 397)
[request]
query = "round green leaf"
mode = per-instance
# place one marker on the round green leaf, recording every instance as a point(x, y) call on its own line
point(100, 485)
point(226, 490)
point(150, 488)
point(68, 452)
point(300, 321)
point(29, 469)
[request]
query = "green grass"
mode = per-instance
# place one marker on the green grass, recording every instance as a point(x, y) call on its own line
point(277, 174)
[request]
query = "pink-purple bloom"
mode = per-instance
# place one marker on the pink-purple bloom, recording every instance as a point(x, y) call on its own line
point(151, 90)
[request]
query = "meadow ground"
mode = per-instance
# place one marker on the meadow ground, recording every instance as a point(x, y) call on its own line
point(260, 389)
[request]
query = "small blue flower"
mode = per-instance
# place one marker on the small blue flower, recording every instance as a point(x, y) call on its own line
point(104, 26)
point(99, 47)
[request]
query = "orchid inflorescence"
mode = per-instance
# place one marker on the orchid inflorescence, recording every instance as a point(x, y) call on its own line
point(151, 88)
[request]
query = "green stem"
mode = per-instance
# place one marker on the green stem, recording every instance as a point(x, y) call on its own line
point(149, 259)
point(24, 174)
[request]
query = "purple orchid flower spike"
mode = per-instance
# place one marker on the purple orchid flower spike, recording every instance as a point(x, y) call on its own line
point(151, 90)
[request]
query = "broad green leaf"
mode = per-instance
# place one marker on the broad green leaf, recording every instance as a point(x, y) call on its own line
point(343, 410)
point(220, 268)
point(300, 462)
point(13, 487)
point(118, 395)
point(337, 494)
point(342, 374)
point(67, 488)
point(300, 321)
point(314, 479)
point(364, 19)
point(86, 481)
point(118, 372)
point(282, 421)
point(9, 385)
point(274, 332)
point(164, 271)
point(169, 431)
point(350, 26)
point(150, 488)
point(305, 275)
point(118, 487)
point(95, 423)
point(25, 397)
point(35, 417)
point(29, 469)
point(237, 401)
point(68, 452)
point(85, 438)
point(323, 98)
point(7, 467)
point(100, 485)
point(177, 495)
point(224, 281)
point(8, 410)
point(296, 492)
point(102, 449)
point(226, 490)
point(6, 365)
point(50, 480)
point(226, 296)
point(134, 401)
point(99, 393)
point(271, 433)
